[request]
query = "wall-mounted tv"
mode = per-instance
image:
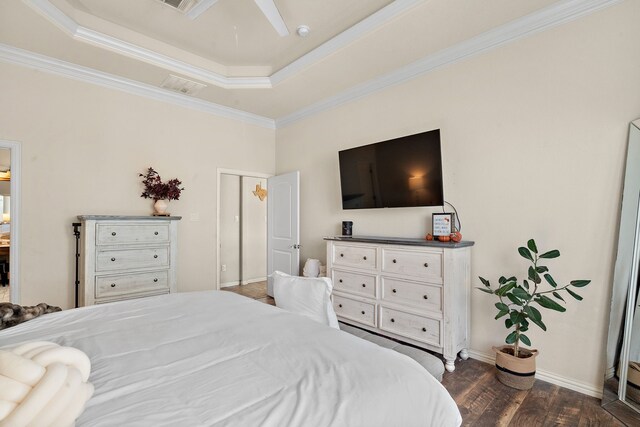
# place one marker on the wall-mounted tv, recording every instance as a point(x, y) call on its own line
point(400, 172)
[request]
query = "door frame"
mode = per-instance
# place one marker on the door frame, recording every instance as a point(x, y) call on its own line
point(221, 171)
point(14, 248)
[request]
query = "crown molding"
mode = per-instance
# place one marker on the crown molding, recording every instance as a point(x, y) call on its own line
point(13, 55)
point(345, 38)
point(96, 38)
point(75, 30)
point(166, 62)
point(549, 17)
point(544, 19)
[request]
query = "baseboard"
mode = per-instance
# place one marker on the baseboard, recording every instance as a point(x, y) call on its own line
point(609, 373)
point(550, 377)
point(254, 280)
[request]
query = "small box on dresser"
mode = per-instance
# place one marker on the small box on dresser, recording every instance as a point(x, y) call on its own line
point(413, 290)
point(125, 257)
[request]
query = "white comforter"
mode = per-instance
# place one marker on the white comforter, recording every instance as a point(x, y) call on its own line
point(216, 358)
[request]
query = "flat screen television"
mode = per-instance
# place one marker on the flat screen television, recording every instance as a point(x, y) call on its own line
point(400, 172)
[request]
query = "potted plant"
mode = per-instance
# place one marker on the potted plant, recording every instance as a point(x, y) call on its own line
point(160, 192)
point(517, 301)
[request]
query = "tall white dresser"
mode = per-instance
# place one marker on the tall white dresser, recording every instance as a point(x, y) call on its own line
point(414, 290)
point(124, 257)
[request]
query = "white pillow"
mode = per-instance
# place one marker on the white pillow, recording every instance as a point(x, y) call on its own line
point(309, 296)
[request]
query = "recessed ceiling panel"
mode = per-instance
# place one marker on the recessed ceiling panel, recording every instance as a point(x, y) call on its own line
point(235, 32)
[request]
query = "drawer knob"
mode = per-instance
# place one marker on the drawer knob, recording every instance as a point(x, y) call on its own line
point(364, 258)
point(340, 305)
point(364, 285)
point(155, 256)
point(424, 329)
point(113, 285)
point(340, 280)
point(394, 261)
point(341, 255)
point(113, 233)
point(155, 280)
point(393, 320)
point(362, 312)
point(426, 264)
point(425, 296)
point(113, 259)
point(394, 291)
point(156, 233)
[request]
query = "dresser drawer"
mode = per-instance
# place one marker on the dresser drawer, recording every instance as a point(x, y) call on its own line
point(115, 234)
point(355, 256)
point(120, 285)
point(417, 294)
point(354, 283)
point(425, 265)
point(124, 259)
point(355, 310)
point(410, 325)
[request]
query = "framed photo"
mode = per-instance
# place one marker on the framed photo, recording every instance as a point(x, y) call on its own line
point(443, 223)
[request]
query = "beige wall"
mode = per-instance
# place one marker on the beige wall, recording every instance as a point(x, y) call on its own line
point(534, 137)
point(82, 148)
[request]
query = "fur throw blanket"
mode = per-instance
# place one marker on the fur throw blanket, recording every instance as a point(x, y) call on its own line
point(13, 314)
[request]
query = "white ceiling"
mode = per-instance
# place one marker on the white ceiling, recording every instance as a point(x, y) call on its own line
point(232, 48)
point(234, 32)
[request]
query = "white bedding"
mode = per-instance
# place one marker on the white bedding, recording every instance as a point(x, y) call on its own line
point(217, 358)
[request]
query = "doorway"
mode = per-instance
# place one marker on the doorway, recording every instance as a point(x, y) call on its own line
point(9, 208)
point(242, 228)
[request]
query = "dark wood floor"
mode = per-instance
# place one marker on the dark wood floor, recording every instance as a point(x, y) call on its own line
point(256, 290)
point(484, 401)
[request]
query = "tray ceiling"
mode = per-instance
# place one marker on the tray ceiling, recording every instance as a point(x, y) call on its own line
point(232, 32)
point(356, 46)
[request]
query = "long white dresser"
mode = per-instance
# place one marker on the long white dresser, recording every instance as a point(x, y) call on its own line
point(414, 290)
point(124, 257)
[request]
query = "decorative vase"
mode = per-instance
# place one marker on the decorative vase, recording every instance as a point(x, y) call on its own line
point(516, 372)
point(160, 207)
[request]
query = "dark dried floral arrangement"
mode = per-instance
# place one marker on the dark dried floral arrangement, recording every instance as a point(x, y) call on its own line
point(155, 189)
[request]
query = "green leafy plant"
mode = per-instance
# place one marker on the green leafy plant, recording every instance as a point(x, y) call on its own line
point(518, 301)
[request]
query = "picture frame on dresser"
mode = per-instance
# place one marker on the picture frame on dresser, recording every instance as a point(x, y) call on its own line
point(443, 224)
point(413, 290)
point(126, 257)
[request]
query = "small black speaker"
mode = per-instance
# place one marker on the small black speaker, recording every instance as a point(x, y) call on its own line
point(347, 228)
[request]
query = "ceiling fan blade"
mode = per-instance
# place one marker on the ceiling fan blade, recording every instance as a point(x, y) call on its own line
point(200, 8)
point(270, 10)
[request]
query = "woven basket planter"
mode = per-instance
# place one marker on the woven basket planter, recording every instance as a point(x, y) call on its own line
point(516, 372)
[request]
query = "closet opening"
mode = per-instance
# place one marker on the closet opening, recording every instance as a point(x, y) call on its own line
point(242, 228)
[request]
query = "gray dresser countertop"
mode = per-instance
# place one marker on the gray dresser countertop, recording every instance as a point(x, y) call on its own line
point(126, 217)
point(401, 241)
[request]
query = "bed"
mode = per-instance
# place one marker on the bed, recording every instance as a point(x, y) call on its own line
point(218, 358)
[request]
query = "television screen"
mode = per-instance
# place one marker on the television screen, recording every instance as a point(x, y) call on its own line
point(401, 172)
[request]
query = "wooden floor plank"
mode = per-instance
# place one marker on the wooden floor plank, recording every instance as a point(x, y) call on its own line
point(565, 409)
point(466, 373)
point(626, 415)
point(484, 401)
point(475, 400)
point(593, 415)
point(503, 407)
point(537, 402)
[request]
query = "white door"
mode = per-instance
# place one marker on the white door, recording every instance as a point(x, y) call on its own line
point(283, 230)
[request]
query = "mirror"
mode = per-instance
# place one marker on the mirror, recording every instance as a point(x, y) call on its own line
point(621, 394)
